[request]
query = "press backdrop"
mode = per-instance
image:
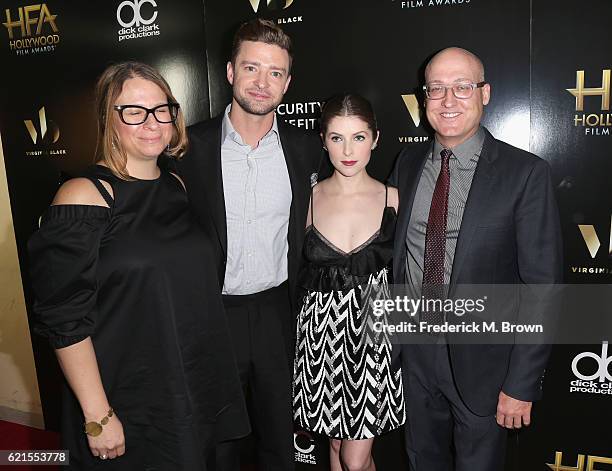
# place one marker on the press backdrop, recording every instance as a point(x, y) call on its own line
point(548, 63)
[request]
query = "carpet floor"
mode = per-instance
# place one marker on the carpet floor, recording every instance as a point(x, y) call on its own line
point(20, 437)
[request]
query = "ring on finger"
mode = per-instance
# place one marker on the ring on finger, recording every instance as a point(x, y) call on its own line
point(103, 457)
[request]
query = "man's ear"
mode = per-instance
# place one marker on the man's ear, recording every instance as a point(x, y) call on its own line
point(287, 84)
point(230, 72)
point(486, 94)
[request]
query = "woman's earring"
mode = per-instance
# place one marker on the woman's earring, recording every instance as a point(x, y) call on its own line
point(168, 148)
point(324, 148)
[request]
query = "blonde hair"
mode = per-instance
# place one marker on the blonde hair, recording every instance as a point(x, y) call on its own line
point(110, 84)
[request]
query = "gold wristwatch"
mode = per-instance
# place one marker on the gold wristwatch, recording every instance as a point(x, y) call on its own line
point(93, 429)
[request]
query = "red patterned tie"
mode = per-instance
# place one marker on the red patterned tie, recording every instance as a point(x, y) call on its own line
point(435, 240)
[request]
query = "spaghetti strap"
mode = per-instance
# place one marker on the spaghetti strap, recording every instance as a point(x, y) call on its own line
point(311, 206)
point(382, 219)
point(103, 191)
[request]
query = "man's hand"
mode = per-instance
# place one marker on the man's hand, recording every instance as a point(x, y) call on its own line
point(512, 413)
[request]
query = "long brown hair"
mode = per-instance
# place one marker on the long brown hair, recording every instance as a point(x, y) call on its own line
point(348, 104)
point(110, 84)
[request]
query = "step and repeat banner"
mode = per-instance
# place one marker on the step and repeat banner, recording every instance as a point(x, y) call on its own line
point(549, 65)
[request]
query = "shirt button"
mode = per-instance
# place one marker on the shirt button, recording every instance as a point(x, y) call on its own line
point(249, 221)
point(248, 282)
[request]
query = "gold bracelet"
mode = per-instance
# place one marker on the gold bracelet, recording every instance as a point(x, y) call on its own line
point(93, 429)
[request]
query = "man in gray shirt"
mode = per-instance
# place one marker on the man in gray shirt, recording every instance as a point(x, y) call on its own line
point(248, 176)
point(473, 210)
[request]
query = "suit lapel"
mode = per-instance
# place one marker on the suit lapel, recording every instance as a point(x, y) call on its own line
point(299, 188)
point(213, 176)
point(479, 195)
point(407, 187)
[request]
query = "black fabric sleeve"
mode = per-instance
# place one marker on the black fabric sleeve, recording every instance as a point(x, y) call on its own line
point(540, 258)
point(63, 263)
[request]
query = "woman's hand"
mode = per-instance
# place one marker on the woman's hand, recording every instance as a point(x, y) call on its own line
point(111, 442)
point(80, 366)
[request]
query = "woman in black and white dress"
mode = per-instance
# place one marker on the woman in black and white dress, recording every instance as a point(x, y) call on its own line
point(344, 384)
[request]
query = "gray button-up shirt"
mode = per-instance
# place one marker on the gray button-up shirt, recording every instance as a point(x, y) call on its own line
point(257, 193)
point(462, 166)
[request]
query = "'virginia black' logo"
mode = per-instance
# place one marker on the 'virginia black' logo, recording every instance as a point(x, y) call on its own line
point(271, 4)
point(44, 127)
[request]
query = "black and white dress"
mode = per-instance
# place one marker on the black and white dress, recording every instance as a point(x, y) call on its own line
point(344, 384)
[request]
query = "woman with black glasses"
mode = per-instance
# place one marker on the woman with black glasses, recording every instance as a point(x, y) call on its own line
point(127, 295)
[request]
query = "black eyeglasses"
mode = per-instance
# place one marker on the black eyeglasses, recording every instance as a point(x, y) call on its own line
point(461, 90)
point(136, 114)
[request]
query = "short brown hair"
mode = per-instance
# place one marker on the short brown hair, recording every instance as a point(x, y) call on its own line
point(348, 104)
point(264, 31)
point(110, 84)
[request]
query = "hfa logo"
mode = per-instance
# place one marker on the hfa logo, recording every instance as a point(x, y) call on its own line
point(32, 30)
point(271, 4)
point(29, 16)
point(42, 121)
point(591, 462)
point(591, 239)
point(412, 105)
point(580, 91)
point(595, 124)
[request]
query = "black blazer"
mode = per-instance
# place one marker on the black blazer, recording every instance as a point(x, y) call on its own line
point(510, 234)
point(200, 169)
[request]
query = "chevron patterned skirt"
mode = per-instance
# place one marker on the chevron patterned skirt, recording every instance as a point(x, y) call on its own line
point(344, 385)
